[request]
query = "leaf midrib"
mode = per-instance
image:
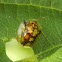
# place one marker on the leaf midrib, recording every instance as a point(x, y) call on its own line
point(49, 49)
point(34, 5)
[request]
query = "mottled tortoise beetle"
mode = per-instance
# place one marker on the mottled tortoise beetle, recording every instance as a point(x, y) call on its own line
point(30, 33)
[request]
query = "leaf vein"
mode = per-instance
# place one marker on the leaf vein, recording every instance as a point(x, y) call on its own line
point(35, 5)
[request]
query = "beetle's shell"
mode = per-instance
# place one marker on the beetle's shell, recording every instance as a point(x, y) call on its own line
point(28, 32)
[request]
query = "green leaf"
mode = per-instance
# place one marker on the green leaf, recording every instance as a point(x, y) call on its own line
point(55, 57)
point(3, 56)
point(49, 42)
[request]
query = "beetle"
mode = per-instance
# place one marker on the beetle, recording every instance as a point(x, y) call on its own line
point(30, 33)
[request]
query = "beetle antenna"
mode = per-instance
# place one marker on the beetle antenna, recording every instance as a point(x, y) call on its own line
point(39, 18)
point(35, 13)
point(42, 18)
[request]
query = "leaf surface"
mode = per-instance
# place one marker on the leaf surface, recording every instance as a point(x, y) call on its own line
point(13, 12)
